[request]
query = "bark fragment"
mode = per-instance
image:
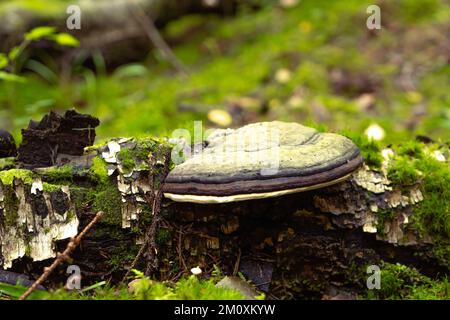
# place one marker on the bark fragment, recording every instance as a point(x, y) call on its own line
point(56, 135)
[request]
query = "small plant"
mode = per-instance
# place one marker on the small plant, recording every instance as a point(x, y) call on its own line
point(9, 67)
point(401, 282)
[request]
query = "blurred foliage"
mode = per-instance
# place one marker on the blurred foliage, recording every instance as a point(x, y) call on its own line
point(316, 61)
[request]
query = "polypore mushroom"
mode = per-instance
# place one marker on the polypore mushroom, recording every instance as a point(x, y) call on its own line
point(262, 160)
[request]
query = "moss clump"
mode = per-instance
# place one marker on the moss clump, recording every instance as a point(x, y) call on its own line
point(433, 214)
point(126, 159)
point(144, 147)
point(413, 164)
point(163, 236)
point(99, 170)
point(6, 163)
point(11, 206)
point(402, 171)
point(382, 217)
point(107, 198)
point(58, 174)
point(411, 148)
point(401, 282)
point(7, 177)
point(370, 149)
point(123, 254)
point(48, 187)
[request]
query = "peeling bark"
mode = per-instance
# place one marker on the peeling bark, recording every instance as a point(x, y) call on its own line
point(41, 219)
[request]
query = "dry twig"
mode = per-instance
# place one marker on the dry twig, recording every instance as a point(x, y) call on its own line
point(154, 198)
point(74, 242)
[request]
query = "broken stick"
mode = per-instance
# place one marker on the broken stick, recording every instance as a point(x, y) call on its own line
point(74, 242)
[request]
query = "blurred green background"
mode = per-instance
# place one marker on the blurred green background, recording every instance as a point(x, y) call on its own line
point(310, 61)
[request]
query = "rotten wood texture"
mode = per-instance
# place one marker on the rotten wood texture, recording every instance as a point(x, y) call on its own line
point(7, 145)
point(55, 135)
point(65, 256)
point(294, 246)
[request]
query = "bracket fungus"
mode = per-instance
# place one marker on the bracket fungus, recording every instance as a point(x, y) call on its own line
point(262, 160)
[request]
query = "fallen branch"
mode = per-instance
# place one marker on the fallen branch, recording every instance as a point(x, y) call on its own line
point(153, 34)
point(74, 242)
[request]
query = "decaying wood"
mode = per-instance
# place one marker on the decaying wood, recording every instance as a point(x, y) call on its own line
point(154, 200)
point(65, 256)
point(54, 134)
point(289, 246)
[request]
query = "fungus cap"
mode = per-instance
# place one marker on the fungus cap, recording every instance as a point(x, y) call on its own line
point(262, 160)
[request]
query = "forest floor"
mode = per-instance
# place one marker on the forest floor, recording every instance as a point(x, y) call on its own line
point(315, 63)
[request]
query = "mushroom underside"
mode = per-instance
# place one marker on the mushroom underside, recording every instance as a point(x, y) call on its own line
point(258, 188)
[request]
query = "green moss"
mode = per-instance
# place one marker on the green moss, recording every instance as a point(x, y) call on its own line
point(370, 149)
point(144, 146)
point(99, 170)
point(126, 159)
point(7, 177)
point(411, 148)
point(433, 213)
point(56, 174)
point(123, 254)
point(107, 198)
point(79, 196)
point(163, 236)
point(402, 171)
point(11, 205)
point(402, 282)
point(414, 164)
point(48, 187)
point(6, 163)
point(384, 216)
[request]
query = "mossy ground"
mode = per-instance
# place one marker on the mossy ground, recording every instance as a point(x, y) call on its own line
point(415, 163)
point(189, 288)
point(401, 282)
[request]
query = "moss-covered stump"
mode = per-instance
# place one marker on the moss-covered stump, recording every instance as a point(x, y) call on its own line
point(295, 246)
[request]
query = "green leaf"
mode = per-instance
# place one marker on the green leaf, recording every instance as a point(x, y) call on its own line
point(16, 291)
point(94, 286)
point(131, 70)
point(3, 61)
point(39, 33)
point(138, 274)
point(42, 70)
point(11, 77)
point(13, 53)
point(65, 39)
